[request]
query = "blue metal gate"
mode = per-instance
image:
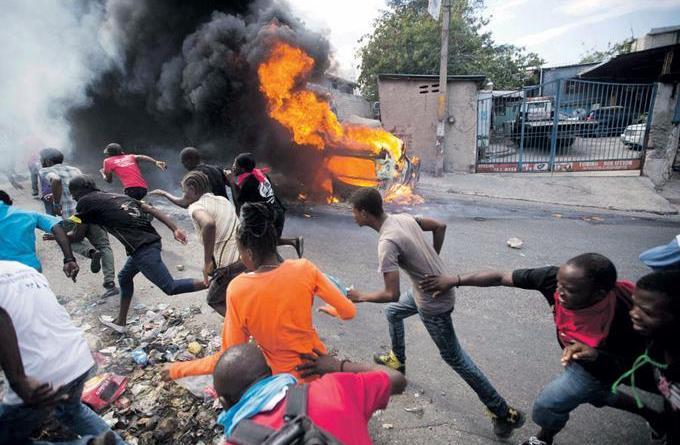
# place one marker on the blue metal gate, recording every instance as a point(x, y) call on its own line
point(564, 125)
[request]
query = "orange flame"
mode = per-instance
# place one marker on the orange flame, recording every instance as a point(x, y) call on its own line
point(402, 195)
point(309, 118)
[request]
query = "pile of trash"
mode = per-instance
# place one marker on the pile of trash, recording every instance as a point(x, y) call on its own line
point(127, 389)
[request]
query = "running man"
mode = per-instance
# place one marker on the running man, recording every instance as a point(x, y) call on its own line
point(126, 167)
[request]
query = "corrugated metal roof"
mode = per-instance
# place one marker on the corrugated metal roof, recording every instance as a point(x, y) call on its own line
point(663, 30)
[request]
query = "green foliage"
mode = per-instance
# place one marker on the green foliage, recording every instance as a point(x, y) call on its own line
point(612, 50)
point(407, 40)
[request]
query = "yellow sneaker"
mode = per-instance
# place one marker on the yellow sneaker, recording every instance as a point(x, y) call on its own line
point(390, 360)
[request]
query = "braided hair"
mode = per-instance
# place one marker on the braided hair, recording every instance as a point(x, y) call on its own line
point(198, 181)
point(256, 230)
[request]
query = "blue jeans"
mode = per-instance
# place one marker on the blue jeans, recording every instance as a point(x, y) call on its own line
point(147, 260)
point(18, 422)
point(440, 328)
point(575, 386)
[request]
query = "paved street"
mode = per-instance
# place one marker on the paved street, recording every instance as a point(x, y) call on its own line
point(509, 333)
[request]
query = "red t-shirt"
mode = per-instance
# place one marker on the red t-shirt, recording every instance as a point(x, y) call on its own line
point(127, 170)
point(340, 404)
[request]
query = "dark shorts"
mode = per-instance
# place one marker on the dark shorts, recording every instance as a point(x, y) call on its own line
point(217, 292)
point(137, 193)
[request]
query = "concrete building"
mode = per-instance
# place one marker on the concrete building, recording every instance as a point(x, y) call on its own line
point(654, 61)
point(344, 101)
point(548, 77)
point(408, 108)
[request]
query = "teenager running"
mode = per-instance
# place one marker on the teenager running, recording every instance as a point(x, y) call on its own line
point(126, 167)
point(129, 221)
point(349, 391)
point(98, 249)
point(251, 184)
point(273, 303)
point(190, 158)
point(215, 221)
point(402, 244)
point(590, 309)
point(45, 359)
point(656, 315)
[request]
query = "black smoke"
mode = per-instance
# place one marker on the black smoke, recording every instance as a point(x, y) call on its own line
point(186, 75)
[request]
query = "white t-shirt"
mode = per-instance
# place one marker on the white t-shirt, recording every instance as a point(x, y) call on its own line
point(52, 349)
point(226, 223)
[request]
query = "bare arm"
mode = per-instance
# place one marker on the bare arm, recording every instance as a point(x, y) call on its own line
point(206, 224)
point(443, 283)
point(108, 177)
point(180, 202)
point(320, 364)
point(57, 189)
point(160, 164)
point(71, 268)
point(29, 390)
point(389, 294)
point(165, 219)
point(437, 228)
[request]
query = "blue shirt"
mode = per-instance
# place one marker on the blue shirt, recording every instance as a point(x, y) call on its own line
point(17, 234)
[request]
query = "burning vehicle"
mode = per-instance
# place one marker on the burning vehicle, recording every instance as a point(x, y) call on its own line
point(354, 155)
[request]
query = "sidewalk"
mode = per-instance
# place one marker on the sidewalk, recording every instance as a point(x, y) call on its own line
point(625, 193)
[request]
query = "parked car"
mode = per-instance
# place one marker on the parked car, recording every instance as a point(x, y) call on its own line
point(633, 136)
point(610, 121)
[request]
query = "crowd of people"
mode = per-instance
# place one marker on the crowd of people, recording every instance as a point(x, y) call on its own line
point(273, 374)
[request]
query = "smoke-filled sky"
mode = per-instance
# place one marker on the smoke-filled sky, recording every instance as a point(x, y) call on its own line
point(154, 75)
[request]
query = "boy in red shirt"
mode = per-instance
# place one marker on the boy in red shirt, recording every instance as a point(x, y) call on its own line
point(348, 391)
point(126, 167)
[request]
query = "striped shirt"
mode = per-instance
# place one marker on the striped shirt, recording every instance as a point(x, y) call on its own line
point(65, 173)
point(222, 211)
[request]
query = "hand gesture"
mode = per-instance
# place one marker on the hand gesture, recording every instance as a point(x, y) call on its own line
point(157, 192)
point(578, 351)
point(354, 295)
point(165, 373)
point(317, 363)
point(162, 165)
point(36, 394)
point(101, 171)
point(71, 270)
point(208, 269)
point(180, 236)
point(435, 284)
point(329, 310)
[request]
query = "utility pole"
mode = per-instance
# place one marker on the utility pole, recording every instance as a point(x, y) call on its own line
point(442, 99)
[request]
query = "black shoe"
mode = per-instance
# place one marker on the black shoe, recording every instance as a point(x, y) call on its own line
point(300, 246)
point(504, 427)
point(96, 263)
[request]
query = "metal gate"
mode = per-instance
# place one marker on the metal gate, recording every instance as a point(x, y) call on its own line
point(564, 125)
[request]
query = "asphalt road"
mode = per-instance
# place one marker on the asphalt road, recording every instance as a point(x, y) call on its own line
point(509, 333)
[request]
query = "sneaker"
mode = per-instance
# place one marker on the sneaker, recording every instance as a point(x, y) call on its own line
point(96, 263)
point(300, 246)
point(391, 361)
point(533, 440)
point(503, 428)
point(110, 292)
point(111, 325)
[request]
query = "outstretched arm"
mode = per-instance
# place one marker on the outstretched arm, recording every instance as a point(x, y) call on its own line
point(437, 228)
point(107, 176)
point(389, 294)
point(165, 219)
point(182, 202)
point(338, 305)
point(437, 284)
point(160, 164)
point(71, 268)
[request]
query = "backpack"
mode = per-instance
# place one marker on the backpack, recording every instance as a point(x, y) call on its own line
point(297, 429)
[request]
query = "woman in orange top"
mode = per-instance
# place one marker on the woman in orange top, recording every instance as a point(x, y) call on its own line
point(272, 303)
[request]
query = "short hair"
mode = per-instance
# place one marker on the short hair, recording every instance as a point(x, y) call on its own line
point(368, 199)
point(4, 197)
point(53, 155)
point(190, 153)
point(113, 149)
point(198, 181)
point(256, 230)
point(598, 269)
point(246, 161)
point(666, 283)
point(82, 182)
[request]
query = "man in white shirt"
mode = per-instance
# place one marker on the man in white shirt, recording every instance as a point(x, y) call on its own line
point(215, 221)
point(46, 361)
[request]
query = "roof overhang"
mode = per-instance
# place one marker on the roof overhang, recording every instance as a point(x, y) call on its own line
point(660, 64)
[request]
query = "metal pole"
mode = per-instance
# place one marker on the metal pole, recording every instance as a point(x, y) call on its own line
point(440, 144)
